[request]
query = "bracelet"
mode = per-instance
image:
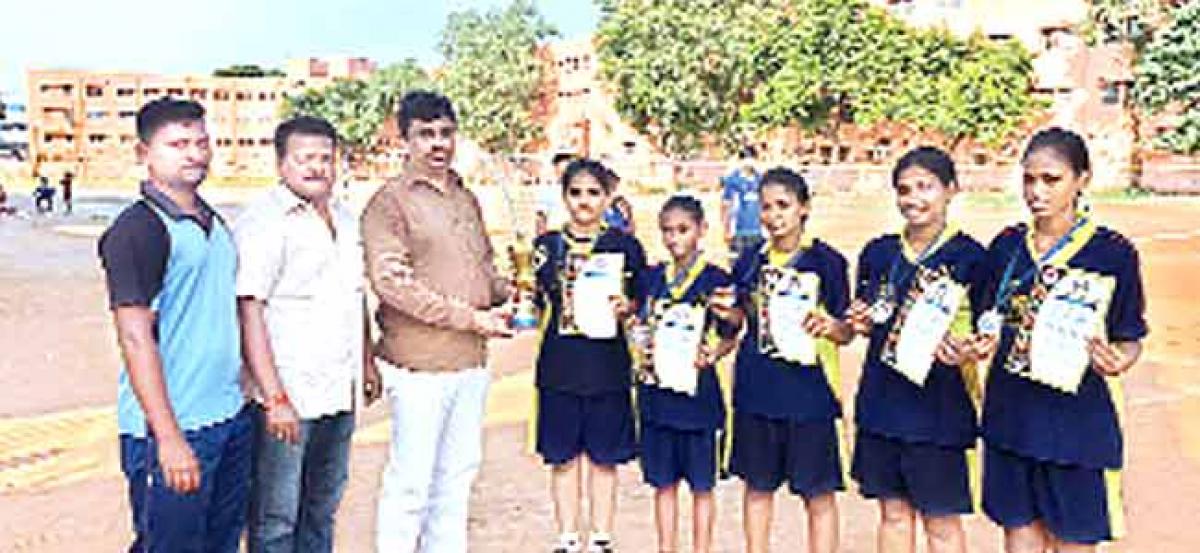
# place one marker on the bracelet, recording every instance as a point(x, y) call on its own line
point(278, 400)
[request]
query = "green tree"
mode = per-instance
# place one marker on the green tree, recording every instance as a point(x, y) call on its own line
point(358, 108)
point(494, 74)
point(681, 68)
point(832, 62)
point(1168, 78)
point(248, 71)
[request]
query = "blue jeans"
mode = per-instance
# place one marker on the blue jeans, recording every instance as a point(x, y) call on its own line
point(209, 520)
point(297, 487)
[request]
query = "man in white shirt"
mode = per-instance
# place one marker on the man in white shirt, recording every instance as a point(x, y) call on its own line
point(304, 338)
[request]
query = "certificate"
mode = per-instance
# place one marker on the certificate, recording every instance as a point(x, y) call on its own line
point(1071, 314)
point(677, 335)
point(599, 279)
point(925, 324)
point(789, 297)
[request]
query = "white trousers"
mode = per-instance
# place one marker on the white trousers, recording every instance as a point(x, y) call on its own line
point(437, 446)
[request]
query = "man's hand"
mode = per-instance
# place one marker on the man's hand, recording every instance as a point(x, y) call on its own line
point(179, 466)
point(491, 323)
point(283, 423)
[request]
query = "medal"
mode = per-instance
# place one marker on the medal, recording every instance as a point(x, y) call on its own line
point(991, 322)
point(881, 311)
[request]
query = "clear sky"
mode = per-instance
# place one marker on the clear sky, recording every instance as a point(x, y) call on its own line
point(198, 36)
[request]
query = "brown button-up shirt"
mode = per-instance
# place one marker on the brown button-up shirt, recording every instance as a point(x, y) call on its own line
point(430, 262)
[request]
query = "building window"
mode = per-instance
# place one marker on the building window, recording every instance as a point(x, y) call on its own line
point(220, 95)
point(151, 92)
point(127, 114)
point(97, 138)
point(177, 92)
point(242, 96)
point(199, 94)
point(94, 91)
point(125, 92)
point(95, 115)
point(262, 96)
point(265, 141)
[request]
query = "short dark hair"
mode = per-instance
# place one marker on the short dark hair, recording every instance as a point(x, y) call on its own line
point(747, 152)
point(561, 157)
point(590, 166)
point(159, 113)
point(931, 159)
point(788, 179)
point(1066, 144)
point(686, 204)
point(302, 124)
point(423, 105)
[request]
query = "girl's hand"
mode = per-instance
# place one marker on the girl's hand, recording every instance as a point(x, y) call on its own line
point(858, 316)
point(983, 346)
point(706, 355)
point(621, 306)
point(821, 325)
point(723, 303)
point(953, 351)
point(1109, 359)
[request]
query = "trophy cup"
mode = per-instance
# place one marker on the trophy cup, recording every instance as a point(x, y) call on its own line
point(524, 316)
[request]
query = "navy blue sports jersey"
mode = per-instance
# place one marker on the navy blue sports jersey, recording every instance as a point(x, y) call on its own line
point(1032, 419)
point(568, 361)
point(663, 407)
point(941, 411)
point(764, 383)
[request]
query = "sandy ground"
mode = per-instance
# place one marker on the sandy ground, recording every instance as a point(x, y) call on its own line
point(61, 491)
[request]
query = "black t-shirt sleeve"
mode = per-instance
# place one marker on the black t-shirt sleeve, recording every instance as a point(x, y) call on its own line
point(134, 252)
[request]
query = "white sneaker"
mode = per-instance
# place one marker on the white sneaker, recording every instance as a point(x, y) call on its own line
point(568, 542)
point(600, 542)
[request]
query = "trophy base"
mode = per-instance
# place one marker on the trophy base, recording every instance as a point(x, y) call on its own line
point(526, 322)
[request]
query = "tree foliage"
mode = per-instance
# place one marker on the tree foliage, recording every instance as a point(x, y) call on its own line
point(1168, 78)
point(684, 71)
point(358, 108)
point(681, 67)
point(493, 72)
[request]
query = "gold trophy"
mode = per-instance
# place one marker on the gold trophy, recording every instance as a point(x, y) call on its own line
point(524, 316)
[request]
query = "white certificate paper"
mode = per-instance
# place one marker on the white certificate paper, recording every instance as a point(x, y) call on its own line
point(599, 279)
point(925, 325)
point(677, 336)
point(789, 301)
point(1071, 314)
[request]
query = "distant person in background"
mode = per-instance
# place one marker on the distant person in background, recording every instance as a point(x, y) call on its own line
point(67, 184)
point(550, 213)
point(740, 204)
point(5, 209)
point(43, 195)
point(619, 214)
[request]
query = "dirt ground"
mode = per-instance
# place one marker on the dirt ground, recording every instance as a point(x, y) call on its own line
point(61, 490)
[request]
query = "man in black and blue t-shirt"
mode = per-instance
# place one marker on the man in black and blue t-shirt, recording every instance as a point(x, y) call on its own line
point(170, 266)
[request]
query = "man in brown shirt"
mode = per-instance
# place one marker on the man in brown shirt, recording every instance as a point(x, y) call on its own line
point(430, 262)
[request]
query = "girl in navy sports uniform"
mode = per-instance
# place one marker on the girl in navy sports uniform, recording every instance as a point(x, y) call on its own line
point(680, 432)
point(585, 414)
point(1053, 455)
point(913, 437)
point(785, 412)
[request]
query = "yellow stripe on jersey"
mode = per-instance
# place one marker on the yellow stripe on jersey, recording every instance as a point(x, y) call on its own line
point(1112, 477)
point(975, 477)
point(531, 425)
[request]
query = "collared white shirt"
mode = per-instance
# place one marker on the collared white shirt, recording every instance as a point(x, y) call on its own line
point(312, 283)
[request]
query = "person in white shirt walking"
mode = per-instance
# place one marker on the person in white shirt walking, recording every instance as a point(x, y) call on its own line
point(304, 336)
